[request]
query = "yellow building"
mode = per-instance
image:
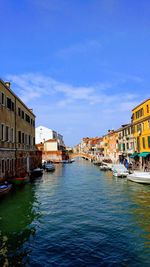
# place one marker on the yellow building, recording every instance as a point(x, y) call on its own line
point(141, 129)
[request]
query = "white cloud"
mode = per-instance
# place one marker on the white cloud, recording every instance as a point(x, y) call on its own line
point(63, 106)
point(32, 86)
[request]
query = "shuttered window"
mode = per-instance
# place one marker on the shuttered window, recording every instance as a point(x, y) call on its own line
point(148, 141)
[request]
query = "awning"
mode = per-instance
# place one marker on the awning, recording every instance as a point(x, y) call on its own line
point(134, 155)
point(144, 154)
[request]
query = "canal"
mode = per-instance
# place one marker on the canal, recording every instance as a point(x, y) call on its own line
point(76, 216)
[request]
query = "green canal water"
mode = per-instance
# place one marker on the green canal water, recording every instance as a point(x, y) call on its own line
point(76, 216)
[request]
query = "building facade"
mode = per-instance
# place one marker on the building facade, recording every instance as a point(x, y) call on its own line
point(18, 153)
point(43, 134)
point(126, 146)
point(110, 143)
point(141, 132)
point(51, 144)
point(51, 151)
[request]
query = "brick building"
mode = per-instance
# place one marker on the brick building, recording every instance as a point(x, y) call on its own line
point(53, 151)
point(18, 153)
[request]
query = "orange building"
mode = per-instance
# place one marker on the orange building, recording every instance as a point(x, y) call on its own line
point(110, 141)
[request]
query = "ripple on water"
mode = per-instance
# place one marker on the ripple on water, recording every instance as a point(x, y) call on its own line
point(77, 216)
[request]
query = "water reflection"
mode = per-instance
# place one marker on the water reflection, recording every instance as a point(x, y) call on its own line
point(52, 176)
point(76, 214)
point(140, 196)
point(16, 216)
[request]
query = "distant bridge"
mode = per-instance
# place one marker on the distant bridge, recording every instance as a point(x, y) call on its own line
point(75, 155)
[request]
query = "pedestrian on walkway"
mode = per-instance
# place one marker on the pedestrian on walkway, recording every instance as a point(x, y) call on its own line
point(145, 167)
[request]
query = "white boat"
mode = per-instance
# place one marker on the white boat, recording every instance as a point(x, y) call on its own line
point(139, 177)
point(109, 165)
point(68, 161)
point(49, 167)
point(105, 166)
point(119, 170)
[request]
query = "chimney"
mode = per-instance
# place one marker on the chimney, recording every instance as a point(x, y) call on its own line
point(7, 84)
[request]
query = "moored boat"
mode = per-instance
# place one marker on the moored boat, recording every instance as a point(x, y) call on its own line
point(119, 170)
point(97, 163)
point(5, 188)
point(105, 166)
point(20, 180)
point(71, 160)
point(49, 167)
point(35, 173)
point(139, 177)
point(68, 161)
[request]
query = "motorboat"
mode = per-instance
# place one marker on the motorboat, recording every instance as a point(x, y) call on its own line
point(109, 165)
point(65, 161)
point(71, 160)
point(97, 163)
point(139, 177)
point(37, 172)
point(49, 167)
point(5, 188)
point(105, 167)
point(119, 170)
point(20, 180)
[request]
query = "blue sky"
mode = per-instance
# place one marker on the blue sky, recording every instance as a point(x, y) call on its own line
point(82, 65)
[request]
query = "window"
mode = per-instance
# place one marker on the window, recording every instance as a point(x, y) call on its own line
point(13, 165)
point(29, 140)
point(19, 137)
point(142, 112)
point(148, 124)
point(147, 107)
point(143, 141)
point(148, 141)
point(124, 147)
point(34, 141)
point(2, 132)
point(12, 135)
point(27, 118)
point(19, 112)
point(23, 138)
point(8, 166)
point(8, 103)
point(139, 113)
point(7, 134)
point(3, 99)
point(3, 166)
point(12, 106)
point(22, 114)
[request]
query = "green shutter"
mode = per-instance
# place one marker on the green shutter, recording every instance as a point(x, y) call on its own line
point(149, 141)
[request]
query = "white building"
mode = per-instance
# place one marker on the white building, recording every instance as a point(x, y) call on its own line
point(43, 134)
